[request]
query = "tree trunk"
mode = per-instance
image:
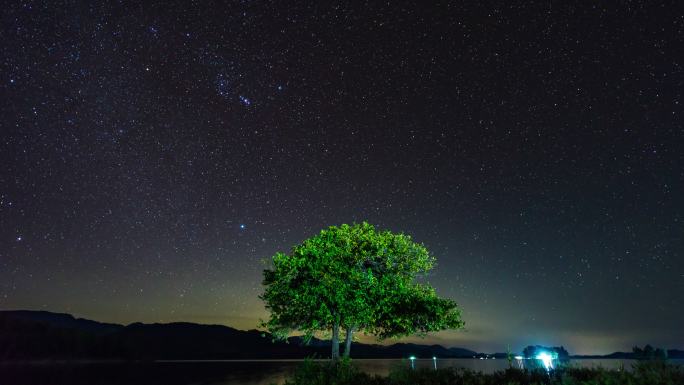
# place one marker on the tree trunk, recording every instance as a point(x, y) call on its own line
point(335, 355)
point(348, 341)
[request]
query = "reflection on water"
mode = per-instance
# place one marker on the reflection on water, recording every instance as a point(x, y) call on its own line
point(227, 372)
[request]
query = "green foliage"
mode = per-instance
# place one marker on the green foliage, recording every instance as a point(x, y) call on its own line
point(356, 278)
point(644, 373)
point(659, 372)
point(328, 373)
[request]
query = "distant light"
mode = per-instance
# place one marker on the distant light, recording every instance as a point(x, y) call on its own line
point(19, 239)
point(242, 226)
point(412, 358)
point(546, 359)
point(518, 357)
point(434, 358)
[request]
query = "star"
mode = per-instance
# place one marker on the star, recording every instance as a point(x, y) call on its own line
point(244, 100)
point(222, 86)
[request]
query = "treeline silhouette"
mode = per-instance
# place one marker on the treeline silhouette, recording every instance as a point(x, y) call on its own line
point(649, 353)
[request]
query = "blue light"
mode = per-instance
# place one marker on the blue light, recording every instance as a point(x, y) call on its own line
point(546, 359)
point(242, 226)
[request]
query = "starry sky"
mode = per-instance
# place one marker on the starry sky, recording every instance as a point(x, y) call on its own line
point(153, 155)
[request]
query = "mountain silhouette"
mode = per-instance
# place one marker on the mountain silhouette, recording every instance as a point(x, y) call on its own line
point(38, 335)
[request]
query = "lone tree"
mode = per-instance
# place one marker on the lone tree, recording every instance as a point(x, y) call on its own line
point(356, 279)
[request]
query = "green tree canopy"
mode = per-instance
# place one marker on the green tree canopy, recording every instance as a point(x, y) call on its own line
point(357, 279)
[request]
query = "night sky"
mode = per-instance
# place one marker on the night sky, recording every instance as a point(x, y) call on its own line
point(152, 156)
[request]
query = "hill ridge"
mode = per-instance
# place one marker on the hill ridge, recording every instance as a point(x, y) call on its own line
point(27, 335)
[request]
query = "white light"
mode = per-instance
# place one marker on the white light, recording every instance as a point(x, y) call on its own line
point(546, 360)
point(518, 357)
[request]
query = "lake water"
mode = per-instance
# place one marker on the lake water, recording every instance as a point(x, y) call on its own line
point(223, 372)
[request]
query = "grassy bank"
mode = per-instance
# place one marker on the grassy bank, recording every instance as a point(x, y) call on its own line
point(643, 373)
